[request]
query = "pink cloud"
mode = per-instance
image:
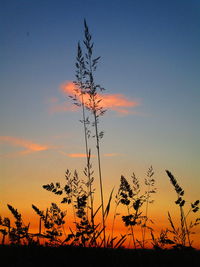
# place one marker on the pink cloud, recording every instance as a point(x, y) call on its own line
point(75, 155)
point(61, 107)
point(29, 146)
point(116, 102)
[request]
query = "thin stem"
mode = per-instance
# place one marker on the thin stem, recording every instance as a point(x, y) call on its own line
point(40, 230)
point(74, 212)
point(186, 228)
point(184, 222)
point(100, 175)
point(113, 223)
point(88, 160)
point(146, 212)
point(182, 226)
point(132, 232)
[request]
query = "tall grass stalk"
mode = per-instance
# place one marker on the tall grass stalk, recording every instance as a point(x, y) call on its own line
point(150, 183)
point(80, 75)
point(96, 109)
point(117, 202)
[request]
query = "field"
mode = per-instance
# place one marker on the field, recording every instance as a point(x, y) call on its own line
point(77, 256)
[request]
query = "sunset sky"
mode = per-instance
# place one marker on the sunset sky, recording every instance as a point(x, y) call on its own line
point(150, 67)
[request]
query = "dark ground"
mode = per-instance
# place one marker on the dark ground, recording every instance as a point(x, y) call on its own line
point(21, 256)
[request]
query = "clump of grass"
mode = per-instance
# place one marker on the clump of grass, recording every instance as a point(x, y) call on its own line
point(76, 193)
point(53, 221)
point(182, 235)
point(178, 236)
point(86, 233)
point(162, 241)
point(5, 223)
point(17, 233)
point(20, 231)
point(130, 196)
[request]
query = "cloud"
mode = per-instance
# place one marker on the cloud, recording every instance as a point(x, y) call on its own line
point(68, 88)
point(79, 155)
point(29, 146)
point(83, 155)
point(56, 106)
point(116, 102)
point(111, 155)
point(61, 107)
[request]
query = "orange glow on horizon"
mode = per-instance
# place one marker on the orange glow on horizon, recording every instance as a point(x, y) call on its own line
point(119, 229)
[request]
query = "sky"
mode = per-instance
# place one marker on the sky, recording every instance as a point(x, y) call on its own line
point(150, 63)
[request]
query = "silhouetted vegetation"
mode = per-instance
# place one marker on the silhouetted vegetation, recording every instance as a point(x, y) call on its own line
point(78, 256)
